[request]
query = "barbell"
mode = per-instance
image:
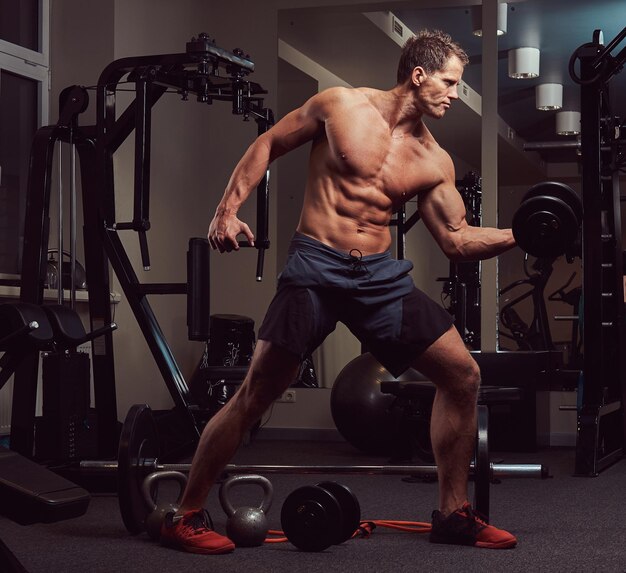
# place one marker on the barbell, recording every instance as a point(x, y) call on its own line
point(139, 451)
point(548, 220)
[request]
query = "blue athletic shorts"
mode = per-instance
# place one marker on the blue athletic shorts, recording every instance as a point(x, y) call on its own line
point(373, 295)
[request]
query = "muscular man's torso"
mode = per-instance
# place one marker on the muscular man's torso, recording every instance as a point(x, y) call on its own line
point(360, 172)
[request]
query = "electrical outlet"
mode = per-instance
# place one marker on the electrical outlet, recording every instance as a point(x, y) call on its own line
point(288, 396)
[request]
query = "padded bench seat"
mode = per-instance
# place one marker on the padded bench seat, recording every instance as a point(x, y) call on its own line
point(425, 389)
point(31, 493)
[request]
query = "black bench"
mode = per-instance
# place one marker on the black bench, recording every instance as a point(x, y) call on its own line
point(414, 401)
point(31, 493)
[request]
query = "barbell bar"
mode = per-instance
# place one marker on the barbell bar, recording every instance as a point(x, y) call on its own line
point(496, 470)
point(139, 450)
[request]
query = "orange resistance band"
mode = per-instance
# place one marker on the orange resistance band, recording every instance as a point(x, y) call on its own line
point(365, 529)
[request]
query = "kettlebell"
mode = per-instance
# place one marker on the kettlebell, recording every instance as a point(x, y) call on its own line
point(247, 526)
point(158, 511)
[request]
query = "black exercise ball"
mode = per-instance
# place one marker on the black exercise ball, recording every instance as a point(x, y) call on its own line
point(365, 416)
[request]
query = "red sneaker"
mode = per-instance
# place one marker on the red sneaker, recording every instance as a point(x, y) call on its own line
point(193, 532)
point(466, 527)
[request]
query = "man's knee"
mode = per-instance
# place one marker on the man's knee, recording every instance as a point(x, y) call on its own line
point(459, 381)
point(467, 383)
point(473, 376)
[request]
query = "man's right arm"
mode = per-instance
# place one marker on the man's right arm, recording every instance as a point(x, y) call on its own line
point(443, 212)
point(296, 128)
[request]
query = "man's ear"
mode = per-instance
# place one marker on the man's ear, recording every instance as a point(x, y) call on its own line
point(418, 75)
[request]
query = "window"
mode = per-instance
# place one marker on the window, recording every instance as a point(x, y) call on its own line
point(24, 29)
point(19, 23)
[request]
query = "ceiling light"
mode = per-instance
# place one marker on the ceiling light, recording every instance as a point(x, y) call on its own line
point(524, 63)
point(568, 122)
point(477, 20)
point(549, 97)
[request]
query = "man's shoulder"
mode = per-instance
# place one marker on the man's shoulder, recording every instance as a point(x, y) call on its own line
point(442, 157)
point(334, 100)
point(349, 94)
point(338, 94)
point(340, 100)
point(438, 152)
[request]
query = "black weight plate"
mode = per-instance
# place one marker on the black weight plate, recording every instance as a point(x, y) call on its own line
point(482, 464)
point(560, 191)
point(139, 441)
point(545, 226)
point(350, 508)
point(311, 518)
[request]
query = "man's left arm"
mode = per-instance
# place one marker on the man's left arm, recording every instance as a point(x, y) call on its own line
point(443, 212)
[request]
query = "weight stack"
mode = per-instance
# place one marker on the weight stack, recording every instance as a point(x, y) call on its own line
point(66, 438)
point(67, 429)
point(66, 385)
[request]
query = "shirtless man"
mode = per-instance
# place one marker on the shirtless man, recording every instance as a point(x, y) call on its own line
point(371, 152)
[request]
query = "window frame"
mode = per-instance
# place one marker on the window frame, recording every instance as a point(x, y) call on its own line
point(39, 57)
point(32, 65)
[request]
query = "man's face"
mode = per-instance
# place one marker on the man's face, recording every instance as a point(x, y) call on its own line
point(437, 90)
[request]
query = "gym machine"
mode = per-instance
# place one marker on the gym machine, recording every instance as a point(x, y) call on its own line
point(601, 430)
point(31, 493)
point(211, 74)
point(462, 286)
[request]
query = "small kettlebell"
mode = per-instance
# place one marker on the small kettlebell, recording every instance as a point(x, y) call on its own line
point(158, 511)
point(247, 526)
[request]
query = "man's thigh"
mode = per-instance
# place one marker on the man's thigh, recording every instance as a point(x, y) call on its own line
point(299, 319)
point(447, 361)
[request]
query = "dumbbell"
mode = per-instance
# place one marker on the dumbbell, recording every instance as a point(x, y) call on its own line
point(548, 220)
point(318, 516)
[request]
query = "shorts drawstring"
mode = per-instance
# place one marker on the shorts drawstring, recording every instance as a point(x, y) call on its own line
point(356, 260)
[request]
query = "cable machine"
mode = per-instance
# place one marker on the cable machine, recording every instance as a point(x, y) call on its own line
point(211, 74)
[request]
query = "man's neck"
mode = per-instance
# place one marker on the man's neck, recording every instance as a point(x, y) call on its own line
point(401, 113)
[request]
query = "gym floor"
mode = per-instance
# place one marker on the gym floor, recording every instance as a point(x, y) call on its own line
point(563, 524)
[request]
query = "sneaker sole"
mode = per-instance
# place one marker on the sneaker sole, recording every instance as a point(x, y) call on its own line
point(508, 544)
point(199, 550)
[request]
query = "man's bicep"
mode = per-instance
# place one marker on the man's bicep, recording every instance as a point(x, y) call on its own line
point(443, 212)
point(442, 206)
